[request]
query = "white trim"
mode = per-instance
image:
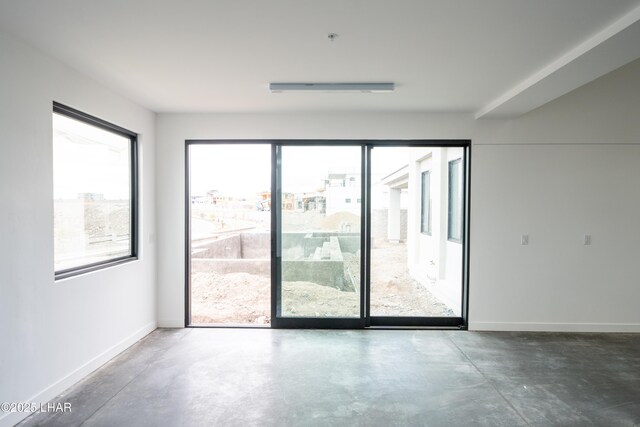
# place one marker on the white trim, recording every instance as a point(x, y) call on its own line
point(55, 389)
point(555, 327)
point(171, 323)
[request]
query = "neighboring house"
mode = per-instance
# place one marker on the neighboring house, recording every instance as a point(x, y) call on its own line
point(433, 180)
point(199, 200)
point(314, 201)
point(288, 201)
point(214, 196)
point(343, 192)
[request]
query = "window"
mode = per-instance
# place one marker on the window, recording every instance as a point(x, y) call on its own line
point(455, 201)
point(94, 191)
point(425, 213)
point(359, 200)
point(347, 200)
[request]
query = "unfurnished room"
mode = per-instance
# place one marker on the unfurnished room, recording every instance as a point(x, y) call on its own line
point(335, 213)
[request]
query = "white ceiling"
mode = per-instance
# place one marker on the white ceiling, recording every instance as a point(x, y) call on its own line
point(489, 57)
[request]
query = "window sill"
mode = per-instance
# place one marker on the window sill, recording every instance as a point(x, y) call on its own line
point(77, 271)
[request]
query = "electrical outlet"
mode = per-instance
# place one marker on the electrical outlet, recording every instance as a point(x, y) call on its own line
point(524, 239)
point(587, 239)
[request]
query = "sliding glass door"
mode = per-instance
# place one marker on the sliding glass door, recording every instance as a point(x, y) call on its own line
point(336, 234)
point(416, 245)
point(319, 236)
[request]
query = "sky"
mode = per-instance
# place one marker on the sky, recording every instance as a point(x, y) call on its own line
point(238, 170)
point(245, 170)
point(87, 159)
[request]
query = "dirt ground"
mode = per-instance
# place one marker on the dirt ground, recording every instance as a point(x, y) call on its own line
point(230, 298)
point(393, 291)
point(245, 298)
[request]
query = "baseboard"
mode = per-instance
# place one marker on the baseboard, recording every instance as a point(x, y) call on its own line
point(70, 379)
point(555, 327)
point(171, 323)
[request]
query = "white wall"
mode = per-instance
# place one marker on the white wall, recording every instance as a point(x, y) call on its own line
point(453, 264)
point(336, 199)
point(173, 129)
point(565, 169)
point(54, 333)
point(433, 260)
point(556, 194)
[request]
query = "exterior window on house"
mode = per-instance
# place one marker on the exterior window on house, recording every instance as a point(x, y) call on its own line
point(94, 191)
point(454, 223)
point(425, 214)
point(347, 200)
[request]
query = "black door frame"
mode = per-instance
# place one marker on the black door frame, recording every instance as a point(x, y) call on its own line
point(423, 321)
point(365, 319)
point(278, 321)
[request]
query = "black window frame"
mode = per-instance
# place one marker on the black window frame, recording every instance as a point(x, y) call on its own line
point(460, 201)
point(424, 174)
point(134, 208)
point(366, 321)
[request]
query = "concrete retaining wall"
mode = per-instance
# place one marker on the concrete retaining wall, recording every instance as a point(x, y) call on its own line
point(290, 240)
point(239, 246)
point(349, 244)
point(224, 248)
point(322, 272)
point(324, 266)
point(256, 245)
point(320, 256)
point(259, 267)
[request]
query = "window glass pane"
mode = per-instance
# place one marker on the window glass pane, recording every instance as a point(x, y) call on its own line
point(426, 203)
point(92, 194)
point(321, 238)
point(455, 200)
point(230, 224)
point(413, 273)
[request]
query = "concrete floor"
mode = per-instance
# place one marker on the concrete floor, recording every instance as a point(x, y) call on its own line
point(245, 377)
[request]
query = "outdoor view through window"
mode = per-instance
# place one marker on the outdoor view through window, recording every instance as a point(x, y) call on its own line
point(230, 233)
point(92, 194)
point(416, 266)
point(416, 271)
point(321, 213)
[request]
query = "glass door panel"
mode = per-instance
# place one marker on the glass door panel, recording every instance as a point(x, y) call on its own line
point(416, 245)
point(320, 232)
point(230, 234)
